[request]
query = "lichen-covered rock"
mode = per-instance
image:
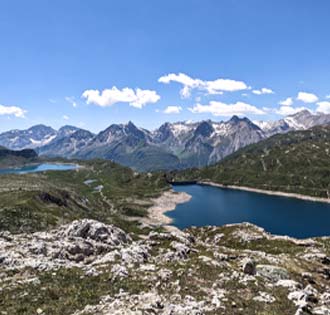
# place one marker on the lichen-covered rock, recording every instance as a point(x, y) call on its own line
point(272, 273)
point(234, 269)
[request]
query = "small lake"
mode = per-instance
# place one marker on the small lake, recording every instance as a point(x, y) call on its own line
point(39, 168)
point(278, 215)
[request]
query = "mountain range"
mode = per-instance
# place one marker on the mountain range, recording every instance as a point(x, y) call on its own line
point(172, 146)
point(295, 162)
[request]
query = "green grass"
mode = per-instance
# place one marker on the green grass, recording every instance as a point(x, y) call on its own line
point(297, 162)
point(24, 207)
point(62, 292)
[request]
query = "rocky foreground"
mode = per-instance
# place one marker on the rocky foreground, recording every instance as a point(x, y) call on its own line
point(87, 267)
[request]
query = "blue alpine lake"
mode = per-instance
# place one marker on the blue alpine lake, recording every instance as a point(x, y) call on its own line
point(277, 215)
point(39, 168)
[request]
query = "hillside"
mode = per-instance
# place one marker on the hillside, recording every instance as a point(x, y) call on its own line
point(88, 267)
point(79, 242)
point(296, 162)
point(11, 158)
point(100, 190)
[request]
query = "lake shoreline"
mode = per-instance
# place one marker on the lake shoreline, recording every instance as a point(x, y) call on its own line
point(266, 192)
point(166, 202)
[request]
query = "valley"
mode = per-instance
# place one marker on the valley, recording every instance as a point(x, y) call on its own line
point(93, 240)
point(73, 220)
point(164, 157)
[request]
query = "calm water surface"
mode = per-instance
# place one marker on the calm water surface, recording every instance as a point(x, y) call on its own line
point(278, 215)
point(39, 168)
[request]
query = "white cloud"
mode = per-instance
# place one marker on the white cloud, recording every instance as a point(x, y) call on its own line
point(212, 87)
point(12, 110)
point(71, 100)
point(287, 102)
point(136, 98)
point(222, 109)
point(226, 85)
point(307, 97)
point(328, 96)
point(65, 117)
point(288, 110)
point(263, 91)
point(173, 110)
point(323, 107)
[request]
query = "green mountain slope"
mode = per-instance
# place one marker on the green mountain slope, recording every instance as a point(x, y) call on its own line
point(10, 158)
point(297, 162)
point(100, 190)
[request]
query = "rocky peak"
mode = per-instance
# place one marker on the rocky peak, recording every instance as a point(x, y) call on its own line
point(131, 129)
point(234, 120)
point(204, 129)
point(302, 114)
point(163, 132)
point(66, 131)
point(41, 129)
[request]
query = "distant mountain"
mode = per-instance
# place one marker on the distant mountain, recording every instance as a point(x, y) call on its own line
point(296, 162)
point(33, 137)
point(172, 146)
point(68, 142)
point(300, 121)
point(66, 131)
point(203, 143)
point(130, 146)
point(11, 158)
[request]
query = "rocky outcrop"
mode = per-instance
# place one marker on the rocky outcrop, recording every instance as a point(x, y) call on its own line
point(75, 244)
point(211, 270)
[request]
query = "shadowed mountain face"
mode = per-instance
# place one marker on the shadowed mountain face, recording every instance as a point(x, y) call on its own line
point(9, 158)
point(171, 146)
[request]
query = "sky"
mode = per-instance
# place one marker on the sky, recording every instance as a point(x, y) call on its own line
point(94, 63)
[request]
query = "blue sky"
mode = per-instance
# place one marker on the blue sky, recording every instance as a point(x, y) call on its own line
point(94, 63)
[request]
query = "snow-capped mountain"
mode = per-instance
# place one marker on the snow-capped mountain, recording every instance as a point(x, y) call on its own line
point(68, 143)
point(33, 137)
point(300, 121)
point(171, 146)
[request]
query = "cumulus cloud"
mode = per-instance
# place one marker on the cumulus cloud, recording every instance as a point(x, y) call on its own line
point(136, 98)
point(65, 117)
point(323, 107)
point(226, 85)
point(307, 97)
point(217, 86)
point(288, 110)
point(287, 102)
point(12, 111)
point(172, 110)
point(263, 91)
point(71, 100)
point(222, 109)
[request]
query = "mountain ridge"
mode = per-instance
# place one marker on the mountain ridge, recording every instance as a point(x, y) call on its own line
point(175, 145)
point(296, 162)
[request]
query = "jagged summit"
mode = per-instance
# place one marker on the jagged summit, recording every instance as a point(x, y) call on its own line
point(173, 145)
